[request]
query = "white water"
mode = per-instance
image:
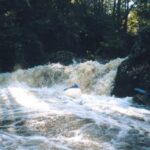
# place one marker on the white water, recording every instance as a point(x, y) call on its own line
point(35, 114)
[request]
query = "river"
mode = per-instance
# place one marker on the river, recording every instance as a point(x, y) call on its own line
point(35, 114)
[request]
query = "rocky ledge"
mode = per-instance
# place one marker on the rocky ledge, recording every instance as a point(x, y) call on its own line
point(133, 73)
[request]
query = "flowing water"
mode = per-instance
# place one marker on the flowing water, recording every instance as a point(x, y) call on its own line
point(35, 114)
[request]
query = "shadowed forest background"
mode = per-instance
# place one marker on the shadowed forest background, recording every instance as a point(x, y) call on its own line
point(34, 32)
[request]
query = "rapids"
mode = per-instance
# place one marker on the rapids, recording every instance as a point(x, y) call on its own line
point(35, 114)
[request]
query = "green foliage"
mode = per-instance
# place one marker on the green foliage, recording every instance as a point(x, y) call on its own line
point(133, 22)
point(143, 12)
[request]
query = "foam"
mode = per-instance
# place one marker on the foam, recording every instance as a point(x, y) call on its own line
point(37, 114)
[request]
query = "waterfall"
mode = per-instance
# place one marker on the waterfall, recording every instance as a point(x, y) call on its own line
point(92, 76)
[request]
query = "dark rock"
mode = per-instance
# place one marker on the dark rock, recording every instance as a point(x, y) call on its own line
point(63, 57)
point(133, 73)
point(142, 99)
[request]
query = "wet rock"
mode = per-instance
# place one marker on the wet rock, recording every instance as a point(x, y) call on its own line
point(133, 73)
point(142, 99)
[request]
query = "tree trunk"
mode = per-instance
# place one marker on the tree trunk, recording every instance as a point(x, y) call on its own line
point(102, 5)
point(114, 9)
point(28, 3)
point(125, 25)
point(118, 12)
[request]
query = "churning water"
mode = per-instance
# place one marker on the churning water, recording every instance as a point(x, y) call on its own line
point(35, 114)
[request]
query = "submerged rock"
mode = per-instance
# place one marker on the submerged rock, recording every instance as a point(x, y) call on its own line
point(142, 96)
point(132, 73)
point(142, 99)
point(74, 91)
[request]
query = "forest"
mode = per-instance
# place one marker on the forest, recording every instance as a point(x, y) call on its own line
point(35, 32)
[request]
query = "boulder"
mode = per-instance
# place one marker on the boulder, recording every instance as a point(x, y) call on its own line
point(133, 73)
point(74, 91)
point(142, 99)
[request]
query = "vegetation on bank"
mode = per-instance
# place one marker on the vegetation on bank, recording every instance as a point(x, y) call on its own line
point(34, 32)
